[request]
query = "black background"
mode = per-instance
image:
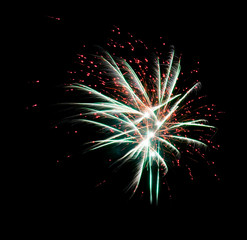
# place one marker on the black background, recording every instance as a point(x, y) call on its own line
point(66, 190)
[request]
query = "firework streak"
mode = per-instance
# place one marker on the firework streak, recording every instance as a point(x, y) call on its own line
point(142, 110)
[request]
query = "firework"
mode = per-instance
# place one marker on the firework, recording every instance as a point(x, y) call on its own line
point(141, 109)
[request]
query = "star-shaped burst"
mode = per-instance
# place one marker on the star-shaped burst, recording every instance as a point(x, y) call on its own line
point(141, 111)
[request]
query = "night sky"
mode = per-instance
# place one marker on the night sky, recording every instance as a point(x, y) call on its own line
point(72, 184)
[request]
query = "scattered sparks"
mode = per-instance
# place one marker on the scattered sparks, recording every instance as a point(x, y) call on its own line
point(55, 18)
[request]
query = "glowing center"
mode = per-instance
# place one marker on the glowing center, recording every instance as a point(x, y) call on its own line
point(150, 135)
point(148, 138)
point(158, 123)
point(146, 114)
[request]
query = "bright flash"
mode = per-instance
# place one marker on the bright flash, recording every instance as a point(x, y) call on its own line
point(146, 114)
point(158, 123)
point(150, 135)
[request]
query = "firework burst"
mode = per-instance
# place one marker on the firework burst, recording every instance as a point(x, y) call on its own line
point(143, 111)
